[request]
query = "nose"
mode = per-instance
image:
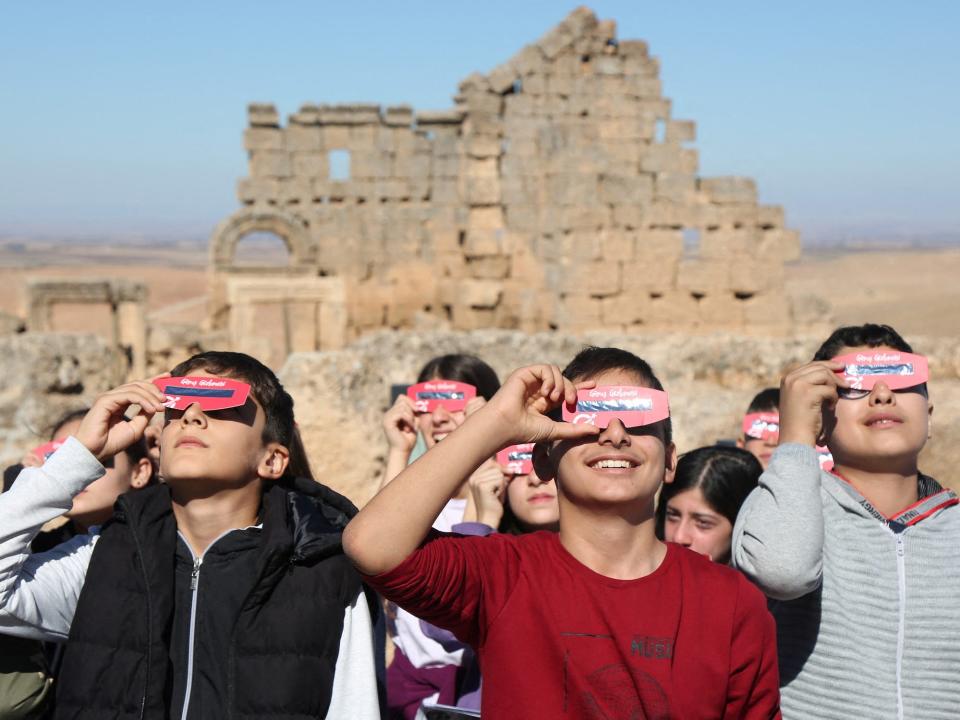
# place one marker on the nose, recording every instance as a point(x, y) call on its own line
point(882, 395)
point(614, 434)
point(440, 415)
point(682, 535)
point(193, 415)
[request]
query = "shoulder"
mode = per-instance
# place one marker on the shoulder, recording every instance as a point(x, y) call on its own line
point(719, 580)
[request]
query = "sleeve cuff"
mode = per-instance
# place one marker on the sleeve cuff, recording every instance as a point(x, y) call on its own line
point(73, 466)
point(472, 528)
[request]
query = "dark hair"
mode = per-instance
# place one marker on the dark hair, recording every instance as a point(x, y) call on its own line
point(135, 453)
point(462, 368)
point(266, 388)
point(868, 335)
point(593, 361)
point(767, 400)
point(724, 474)
point(299, 465)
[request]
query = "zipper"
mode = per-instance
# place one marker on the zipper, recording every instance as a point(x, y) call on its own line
point(194, 594)
point(902, 586)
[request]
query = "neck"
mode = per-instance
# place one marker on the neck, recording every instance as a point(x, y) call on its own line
point(201, 520)
point(623, 547)
point(888, 492)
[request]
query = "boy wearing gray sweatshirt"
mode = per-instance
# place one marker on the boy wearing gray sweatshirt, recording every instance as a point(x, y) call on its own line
point(863, 562)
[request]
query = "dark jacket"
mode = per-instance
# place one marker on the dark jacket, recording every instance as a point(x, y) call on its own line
point(257, 636)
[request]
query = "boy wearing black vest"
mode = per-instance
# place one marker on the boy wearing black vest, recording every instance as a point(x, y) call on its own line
point(223, 592)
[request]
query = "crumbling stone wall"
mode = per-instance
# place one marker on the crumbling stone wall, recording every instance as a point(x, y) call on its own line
point(558, 193)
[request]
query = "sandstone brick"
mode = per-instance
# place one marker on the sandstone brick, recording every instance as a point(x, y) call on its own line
point(681, 131)
point(490, 267)
point(262, 115)
point(252, 190)
point(302, 137)
point(770, 217)
point(482, 190)
point(650, 273)
point(263, 138)
point(629, 307)
point(720, 309)
point(629, 216)
point(579, 311)
point(673, 308)
point(270, 163)
point(311, 164)
point(335, 137)
point(729, 190)
point(483, 146)
point(625, 189)
point(750, 275)
point(725, 242)
point(766, 311)
point(478, 294)
point(659, 243)
point(678, 188)
point(703, 276)
point(483, 241)
point(617, 244)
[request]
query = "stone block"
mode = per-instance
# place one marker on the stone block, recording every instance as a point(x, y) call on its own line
point(720, 309)
point(608, 65)
point(269, 163)
point(572, 189)
point(489, 267)
point(302, 137)
point(479, 242)
point(662, 157)
point(398, 116)
point(523, 218)
point(502, 77)
point(446, 166)
point(335, 137)
point(444, 192)
point(617, 244)
point(641, 67)
point(734, 216)
point(483, 146)
point(629, 307)
point(770, 217)
point(349, 114)
point(725, 242)
point(254, 190)
point(295, 190)
point(729, 190)
point(578, 311)
point(629, 216)
point(485, 218)
point(263, 115)
point(659, 242)
point(479, 294)
point(673, 308)
point(468, 319)
point(643, 87)
point(369, 165)
point(311, 164)
point(579, 218)
point(482, 190)
point(681, 131)
point(263, 138)
point(529, 60)
point(750, 275)
point(633, 49)
point(703, 276)
point(678, 188)
point(649, 272)
point(626, 189)
point(767, 310)
point(534, 85)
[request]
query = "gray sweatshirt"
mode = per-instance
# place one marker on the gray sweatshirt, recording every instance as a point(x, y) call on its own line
point(867, 608)
point(39, 592)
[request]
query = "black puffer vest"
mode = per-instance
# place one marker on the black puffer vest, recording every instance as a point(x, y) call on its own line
point(276, 655)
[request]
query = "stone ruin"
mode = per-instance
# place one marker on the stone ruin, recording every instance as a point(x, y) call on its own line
point(557, 194)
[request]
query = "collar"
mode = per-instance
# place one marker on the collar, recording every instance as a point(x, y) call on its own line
point(932, 497)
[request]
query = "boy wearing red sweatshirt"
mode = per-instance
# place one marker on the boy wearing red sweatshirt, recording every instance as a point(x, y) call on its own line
point(600, 619)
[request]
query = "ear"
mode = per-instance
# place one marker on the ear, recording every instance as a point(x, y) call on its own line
point(542, 463)
point(141, 474)
point(740, 443)
point(274, 462)
point(929, 419)
point(670, 456)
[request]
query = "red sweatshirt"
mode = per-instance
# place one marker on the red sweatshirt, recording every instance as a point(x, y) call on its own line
point(691, 640)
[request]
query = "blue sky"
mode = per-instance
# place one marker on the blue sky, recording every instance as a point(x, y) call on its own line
point(121, 118)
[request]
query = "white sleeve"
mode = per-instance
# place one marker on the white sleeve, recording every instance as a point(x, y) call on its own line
point(354, 694)
point(38, 593)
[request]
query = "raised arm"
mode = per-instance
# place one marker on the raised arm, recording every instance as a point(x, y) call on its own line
point(398, 518)
point(778, 536)
point(38, 593)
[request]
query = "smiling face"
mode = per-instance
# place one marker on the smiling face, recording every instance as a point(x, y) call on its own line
point(533, 502)
point(882, 431)
point(206, 451)
point(435, 426)
point(618, 467)
point(691, 521)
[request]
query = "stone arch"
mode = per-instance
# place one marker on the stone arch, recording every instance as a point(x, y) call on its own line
point(290, 228)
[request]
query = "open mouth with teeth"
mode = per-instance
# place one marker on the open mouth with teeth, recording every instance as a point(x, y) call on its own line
point(883, 421)
point(613, 464)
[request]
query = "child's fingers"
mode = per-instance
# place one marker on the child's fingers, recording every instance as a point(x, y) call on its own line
point(569, 393)
point(547, 382)
point(570, 431)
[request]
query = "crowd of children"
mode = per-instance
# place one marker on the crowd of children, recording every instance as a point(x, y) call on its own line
point(537, 549)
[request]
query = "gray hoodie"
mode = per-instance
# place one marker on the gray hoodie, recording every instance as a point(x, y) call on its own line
point(867, 608)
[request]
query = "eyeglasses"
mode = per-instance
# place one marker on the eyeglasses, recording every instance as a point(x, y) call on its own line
point(860, 393)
